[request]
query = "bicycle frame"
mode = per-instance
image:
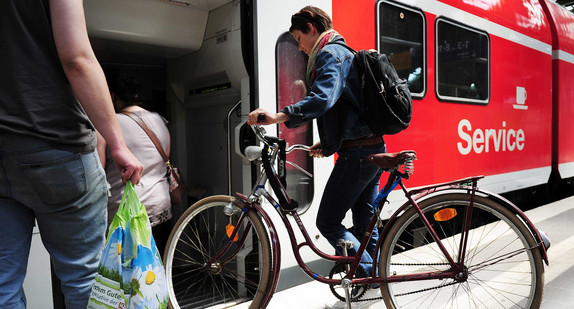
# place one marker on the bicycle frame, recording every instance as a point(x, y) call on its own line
point(252, 203)
point(355, 260)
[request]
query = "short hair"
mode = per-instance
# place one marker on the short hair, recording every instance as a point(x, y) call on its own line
point(126, 86)
point(313, 15)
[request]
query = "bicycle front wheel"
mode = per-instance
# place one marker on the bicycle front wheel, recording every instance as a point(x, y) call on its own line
point(502, 265)
point(240, 275)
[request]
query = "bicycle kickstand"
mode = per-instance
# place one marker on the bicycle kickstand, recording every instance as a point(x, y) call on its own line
point(346, 283)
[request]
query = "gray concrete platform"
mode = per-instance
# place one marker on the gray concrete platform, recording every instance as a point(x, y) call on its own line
point(556, 219)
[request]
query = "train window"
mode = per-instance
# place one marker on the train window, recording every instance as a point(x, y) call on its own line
point(401, 36)
point(291, 88)
point(462, 63)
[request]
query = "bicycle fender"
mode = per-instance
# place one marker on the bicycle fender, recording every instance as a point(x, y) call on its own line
point(275, 252)
point(439, 190)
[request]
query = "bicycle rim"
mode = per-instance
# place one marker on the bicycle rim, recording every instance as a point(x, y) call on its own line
point(503, 269)
point(239, 276)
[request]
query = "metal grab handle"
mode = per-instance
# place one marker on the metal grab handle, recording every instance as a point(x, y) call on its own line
point(229, 146)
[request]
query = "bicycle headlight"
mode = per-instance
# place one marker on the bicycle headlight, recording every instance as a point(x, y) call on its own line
point(253, 152)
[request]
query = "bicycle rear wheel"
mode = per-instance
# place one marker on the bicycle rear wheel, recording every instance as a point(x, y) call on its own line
point(239, 276)
point(503, 262)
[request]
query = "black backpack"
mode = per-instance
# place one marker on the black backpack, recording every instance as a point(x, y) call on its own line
point(386, 103)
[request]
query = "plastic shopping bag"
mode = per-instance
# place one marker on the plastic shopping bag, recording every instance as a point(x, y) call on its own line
point(131, 274)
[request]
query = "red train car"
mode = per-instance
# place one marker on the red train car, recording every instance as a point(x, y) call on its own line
point(489, 82)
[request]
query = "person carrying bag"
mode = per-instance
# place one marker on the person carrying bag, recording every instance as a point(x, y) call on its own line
point(176, 186)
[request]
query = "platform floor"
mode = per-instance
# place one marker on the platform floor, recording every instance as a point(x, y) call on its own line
point(556, 219)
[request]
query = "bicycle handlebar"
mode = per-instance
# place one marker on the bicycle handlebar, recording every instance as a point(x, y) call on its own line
point(270, 140)
point(298, 147)
point(275, 149)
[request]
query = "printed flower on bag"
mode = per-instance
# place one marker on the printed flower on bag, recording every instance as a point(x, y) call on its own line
point(115, 250)
point(152, 283)
point(149, 278)
point(136, 301)
point(136, 297)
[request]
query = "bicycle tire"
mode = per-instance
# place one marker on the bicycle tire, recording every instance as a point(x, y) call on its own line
point(504, 263)
point(197, 236)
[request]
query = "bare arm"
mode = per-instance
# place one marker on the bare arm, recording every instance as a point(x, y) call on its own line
point(101, 149)
point(168, 151)
point(88, 81)
point(272, 118)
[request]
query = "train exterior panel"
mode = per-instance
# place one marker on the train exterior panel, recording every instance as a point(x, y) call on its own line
point(507, 135)
point(563, 93)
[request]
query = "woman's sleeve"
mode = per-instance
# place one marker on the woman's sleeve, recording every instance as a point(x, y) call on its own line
point(326, 90)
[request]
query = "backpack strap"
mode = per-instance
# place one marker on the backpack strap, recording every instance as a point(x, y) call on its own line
point(359, 56)
point(342, 43)
point(361, 68)
point(149, 133)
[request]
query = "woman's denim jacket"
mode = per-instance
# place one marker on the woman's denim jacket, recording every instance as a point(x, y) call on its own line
point(333, 100)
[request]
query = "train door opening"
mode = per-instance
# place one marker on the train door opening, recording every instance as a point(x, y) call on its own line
point(188, 58)
point(196, 86)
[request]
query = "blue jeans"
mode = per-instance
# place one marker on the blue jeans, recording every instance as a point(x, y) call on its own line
point(66, 193)
point(353, 185)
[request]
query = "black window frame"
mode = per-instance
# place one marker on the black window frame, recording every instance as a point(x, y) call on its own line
point(414, 95)
point(454, 99)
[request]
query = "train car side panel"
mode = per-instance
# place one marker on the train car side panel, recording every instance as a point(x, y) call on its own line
point(508, 138)
point(563, 93)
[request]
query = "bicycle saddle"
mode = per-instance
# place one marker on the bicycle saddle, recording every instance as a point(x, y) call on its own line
point(392, 160)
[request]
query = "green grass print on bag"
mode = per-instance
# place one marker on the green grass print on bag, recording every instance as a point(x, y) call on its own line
point(131, 274)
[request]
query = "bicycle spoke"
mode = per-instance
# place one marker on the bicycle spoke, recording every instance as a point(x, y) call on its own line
point(243, 279)
point(451, 241)
point(236, 271)
point(488, 288)
point(472, 297)
point(495, 260)
point(487, 246)
point(499, 269)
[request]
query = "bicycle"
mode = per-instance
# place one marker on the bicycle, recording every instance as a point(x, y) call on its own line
point(450, 244)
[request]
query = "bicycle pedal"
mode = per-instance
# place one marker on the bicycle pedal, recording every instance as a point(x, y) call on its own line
point(344, 243)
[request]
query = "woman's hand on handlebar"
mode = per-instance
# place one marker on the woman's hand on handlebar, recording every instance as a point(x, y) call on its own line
point(269, 117)
point(316, 151)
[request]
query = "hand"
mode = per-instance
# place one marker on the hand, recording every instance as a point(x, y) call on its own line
point(316, 151)
point(270, 118)
point(129, 166)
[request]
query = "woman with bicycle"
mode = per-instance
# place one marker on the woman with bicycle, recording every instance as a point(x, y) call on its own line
point(333, 100)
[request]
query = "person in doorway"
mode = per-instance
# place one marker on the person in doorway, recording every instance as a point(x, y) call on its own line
point(153, 189)
point(333, 100)
point(53, 95)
